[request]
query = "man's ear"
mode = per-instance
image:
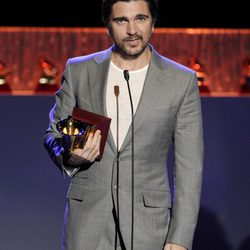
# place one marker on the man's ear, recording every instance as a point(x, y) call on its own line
point(108, 32)
point(153, 27)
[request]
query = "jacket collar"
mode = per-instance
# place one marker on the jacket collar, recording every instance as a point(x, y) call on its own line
point(153, 81)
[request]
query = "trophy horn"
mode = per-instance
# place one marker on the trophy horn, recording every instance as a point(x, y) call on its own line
point(74, 133)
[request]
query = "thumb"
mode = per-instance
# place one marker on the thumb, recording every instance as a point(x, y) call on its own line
point(167, 247)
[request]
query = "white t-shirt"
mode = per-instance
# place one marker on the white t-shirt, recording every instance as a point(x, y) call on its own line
point(136, 83)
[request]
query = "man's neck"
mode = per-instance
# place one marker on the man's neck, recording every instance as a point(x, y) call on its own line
point(131, 63)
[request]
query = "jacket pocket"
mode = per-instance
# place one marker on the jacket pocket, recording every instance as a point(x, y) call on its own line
point(77, 192)
point(156, 198)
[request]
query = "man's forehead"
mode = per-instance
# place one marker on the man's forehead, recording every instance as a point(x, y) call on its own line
point(130, 9)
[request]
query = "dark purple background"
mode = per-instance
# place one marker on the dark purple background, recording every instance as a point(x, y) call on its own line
point(33, 192)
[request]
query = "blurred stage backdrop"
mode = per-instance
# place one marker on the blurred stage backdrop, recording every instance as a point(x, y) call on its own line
point(220, 56)
point(32, 190)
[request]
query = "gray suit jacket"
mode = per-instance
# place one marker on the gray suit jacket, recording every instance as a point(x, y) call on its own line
point(169, 111)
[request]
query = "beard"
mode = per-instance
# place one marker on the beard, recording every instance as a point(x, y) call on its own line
point(131, 51)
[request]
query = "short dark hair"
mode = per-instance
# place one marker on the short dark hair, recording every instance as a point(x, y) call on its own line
point(107, 6)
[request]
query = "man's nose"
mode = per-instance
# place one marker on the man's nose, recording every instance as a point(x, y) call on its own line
point(131, 28)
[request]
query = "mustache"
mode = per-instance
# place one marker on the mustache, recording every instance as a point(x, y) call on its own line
point(131, 38)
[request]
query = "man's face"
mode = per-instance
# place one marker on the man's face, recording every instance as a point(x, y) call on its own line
point(131, 26)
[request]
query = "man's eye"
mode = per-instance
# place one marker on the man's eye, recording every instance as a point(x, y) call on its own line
point(141, 19)
point(120, 21)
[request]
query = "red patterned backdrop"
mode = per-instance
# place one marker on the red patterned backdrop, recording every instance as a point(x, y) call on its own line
point(221, 51)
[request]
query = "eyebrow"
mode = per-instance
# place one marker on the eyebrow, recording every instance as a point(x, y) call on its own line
point(119, 18)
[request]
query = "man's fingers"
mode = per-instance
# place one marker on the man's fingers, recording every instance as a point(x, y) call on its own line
point(95, 152)
point(90, 151)
point(89, 141)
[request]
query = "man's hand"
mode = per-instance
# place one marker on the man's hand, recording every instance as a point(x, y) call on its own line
point(173, 247)
point(90, 151)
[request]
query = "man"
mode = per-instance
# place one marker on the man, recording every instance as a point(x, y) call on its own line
point(167, 109)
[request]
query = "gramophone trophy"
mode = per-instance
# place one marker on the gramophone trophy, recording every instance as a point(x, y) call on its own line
point(200, 72)
point(74, 133)
point(47, 80)
point(76, 128)
point(4, 75)
point(245, 76)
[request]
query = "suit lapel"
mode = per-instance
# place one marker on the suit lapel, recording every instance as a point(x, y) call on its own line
point(152, 86)
point(98, 82)
point(97, 87)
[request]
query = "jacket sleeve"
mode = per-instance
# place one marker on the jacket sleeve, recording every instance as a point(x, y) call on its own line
point(64, 104)
point(188, 144)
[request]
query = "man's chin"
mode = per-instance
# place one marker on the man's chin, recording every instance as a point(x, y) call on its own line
point(133, 52)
